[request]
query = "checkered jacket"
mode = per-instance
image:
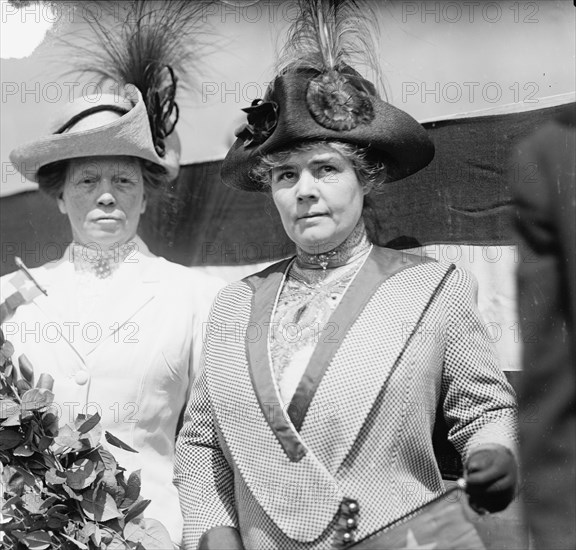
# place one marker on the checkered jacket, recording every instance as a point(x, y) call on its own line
point(405, 337)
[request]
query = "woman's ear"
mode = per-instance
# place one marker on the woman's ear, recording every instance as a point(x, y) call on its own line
point(144, 202)
point(61, 204)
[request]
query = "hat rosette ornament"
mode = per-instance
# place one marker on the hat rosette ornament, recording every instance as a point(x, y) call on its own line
point(262, 119)
point(337, 104)
point(318, 95)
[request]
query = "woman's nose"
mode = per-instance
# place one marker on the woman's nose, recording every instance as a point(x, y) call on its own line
point(106, 196)
point(307, 186)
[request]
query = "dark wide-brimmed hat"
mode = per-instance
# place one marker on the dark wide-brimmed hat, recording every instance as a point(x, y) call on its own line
point(100, 125)
point(338, 105)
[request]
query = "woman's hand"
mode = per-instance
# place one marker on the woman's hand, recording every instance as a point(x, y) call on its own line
point(221, 538)
point(491, 479)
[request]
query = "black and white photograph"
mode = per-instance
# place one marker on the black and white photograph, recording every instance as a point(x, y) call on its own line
point(288, 275)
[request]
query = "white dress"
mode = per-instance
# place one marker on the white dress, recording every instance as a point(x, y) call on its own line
point(127, 347)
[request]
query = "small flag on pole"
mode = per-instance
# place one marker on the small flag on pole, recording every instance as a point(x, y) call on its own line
point(26, 290)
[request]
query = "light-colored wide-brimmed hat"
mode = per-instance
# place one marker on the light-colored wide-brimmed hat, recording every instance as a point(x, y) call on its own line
point(100, 125)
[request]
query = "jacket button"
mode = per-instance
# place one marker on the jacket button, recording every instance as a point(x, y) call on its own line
point(347, 537)
point(350, 523)
point(81, 377)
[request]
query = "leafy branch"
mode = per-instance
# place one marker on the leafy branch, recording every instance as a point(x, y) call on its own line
point(61, 487)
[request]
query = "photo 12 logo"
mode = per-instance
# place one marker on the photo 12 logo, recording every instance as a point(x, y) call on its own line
point(470, 12)
point(470, 92)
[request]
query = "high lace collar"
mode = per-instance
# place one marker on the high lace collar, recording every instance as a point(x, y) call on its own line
point(354, 245)
point(99, 261)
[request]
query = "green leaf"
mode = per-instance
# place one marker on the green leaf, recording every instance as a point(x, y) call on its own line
point(37, 540)
point(47, 504)
point(33, 502)
point(8, 408)
point(21, 385)
point(150, 533)
point(108, 460)
point(91, 530)
point(81, 474)
point(13, 420)
point(71, 493)
point(113, 440)
point(89, 423)
point(109, 482)
point(133, 486)
point(26, 369)
point(117, 544)
point(50, 423)
point(43, 443)
point(36, 398)
point(68, 437)
point(136, 509)
point(55, 477)
point(7, 349)
point(92, 438)
point(29, 478)
point(11, 506)
point(23, 450)
point(76, 543)
point(99, 506)
point(10, 439)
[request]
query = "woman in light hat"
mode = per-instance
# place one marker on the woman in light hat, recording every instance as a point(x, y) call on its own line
point(119, 329)
point(311, 423)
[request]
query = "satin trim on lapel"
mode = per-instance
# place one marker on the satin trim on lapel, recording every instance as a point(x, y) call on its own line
point(266, 287)
point(381, 264)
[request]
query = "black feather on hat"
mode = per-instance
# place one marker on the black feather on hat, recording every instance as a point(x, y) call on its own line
point(317, 95)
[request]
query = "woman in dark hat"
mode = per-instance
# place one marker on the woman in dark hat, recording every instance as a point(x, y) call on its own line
point(118, 328)
point(311, 423)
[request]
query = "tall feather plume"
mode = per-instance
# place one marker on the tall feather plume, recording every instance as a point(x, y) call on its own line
point(148, 43)
point(330, 33)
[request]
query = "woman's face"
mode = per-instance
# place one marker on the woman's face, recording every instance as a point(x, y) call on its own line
point(319, 198)
point(103, 198)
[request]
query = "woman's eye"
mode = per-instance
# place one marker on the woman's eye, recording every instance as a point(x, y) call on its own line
point(326, 170)
point(288, 175)
point(125, 182)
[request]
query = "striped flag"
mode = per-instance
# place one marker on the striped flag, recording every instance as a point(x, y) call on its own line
point(26, 291)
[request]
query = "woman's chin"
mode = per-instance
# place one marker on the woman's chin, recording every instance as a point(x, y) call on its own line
point(106, 239)
point(317, 244)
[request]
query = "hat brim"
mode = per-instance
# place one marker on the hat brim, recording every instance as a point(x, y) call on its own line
point(129, 135)
point(392, 134)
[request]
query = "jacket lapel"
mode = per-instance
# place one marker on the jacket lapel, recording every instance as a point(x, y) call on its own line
point(381, 264)
point(265, 292)
point(291, 485)
point(345, 378)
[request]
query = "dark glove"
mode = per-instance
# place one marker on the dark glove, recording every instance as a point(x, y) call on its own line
point(491, 479)
point(221, 538)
